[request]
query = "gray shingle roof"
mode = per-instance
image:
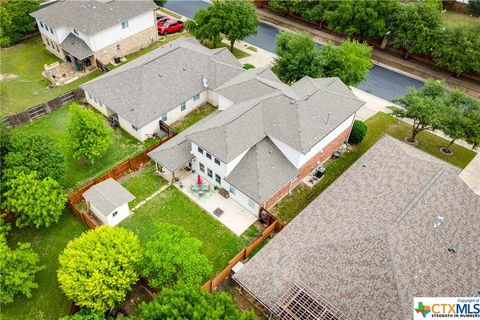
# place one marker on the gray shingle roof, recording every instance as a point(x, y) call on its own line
point(262, 171)
point(76, 46)
point(91, 16)
point(107, 196)
point(144, 89)
point(367, 244)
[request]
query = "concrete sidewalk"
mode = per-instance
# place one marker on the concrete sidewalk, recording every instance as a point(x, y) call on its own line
point(409, 67)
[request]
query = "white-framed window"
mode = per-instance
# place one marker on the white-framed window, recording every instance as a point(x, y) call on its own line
point(196, 97)
point(183, 106)
point(202, 167)
point(217, 162)
point(200, 150)
point(134, 128)
point(164, 117)
point(75, 31)
point(209, 173)
point(48, 42)
point(115, 213)
point(218, 179)
point(125, 24)
point(209, 156)
point(51, 30)
point(41, 24)
point(251, 203)
point(232, 190)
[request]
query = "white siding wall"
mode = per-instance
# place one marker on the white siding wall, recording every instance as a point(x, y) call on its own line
point(99, 106)
point(122, 213)
point(241, 198)
point(220, 169)
point(127, 126)
point(232, 164)
point(47, 32)
point(223, 103)
point(212, 97)
point(115, 33)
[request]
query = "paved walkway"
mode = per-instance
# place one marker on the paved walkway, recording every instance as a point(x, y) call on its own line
point(153, 195)
point(380, 57)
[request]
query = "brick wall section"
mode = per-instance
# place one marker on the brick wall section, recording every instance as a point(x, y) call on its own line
point(313, 163)
point(52, 46)
point(131, 44)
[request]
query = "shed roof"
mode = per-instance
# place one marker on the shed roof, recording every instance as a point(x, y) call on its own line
point(107, 196)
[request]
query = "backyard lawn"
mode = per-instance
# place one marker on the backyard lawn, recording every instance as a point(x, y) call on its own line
point(453, 19)
point(378, 125)
point(47, 302)
point(193, 117)
point(172, 206)
point(78, 172)
point(22, 84)
point(142, 183)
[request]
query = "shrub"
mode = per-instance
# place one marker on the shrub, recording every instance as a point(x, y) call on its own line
point(247, 66)
point(359, 131)
point(474, 7)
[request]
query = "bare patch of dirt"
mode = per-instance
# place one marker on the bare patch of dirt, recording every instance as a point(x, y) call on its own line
point(8, 76)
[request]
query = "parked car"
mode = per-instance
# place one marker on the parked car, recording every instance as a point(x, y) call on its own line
point(161, 20)
point(171, 26)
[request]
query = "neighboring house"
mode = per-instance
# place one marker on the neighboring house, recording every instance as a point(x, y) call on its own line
point(397, 224)
point(162, 86)
point(108, 201)
point(82, 31)
point(265, 138)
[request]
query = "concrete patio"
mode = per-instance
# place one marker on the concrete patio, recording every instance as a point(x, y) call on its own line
point(234, 217)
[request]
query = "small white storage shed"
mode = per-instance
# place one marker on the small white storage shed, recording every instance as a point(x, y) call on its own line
point(108, 201)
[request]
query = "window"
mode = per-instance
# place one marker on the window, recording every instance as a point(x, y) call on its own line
point(200, 150)
point(75, 31)
point(218, 179)
point(115, 213)
point(134, 128)
point(217, 162)
point(202, 167)
point(183, 106)
point(209, 173)
point(125, 24)
point(41, 24)
point(164, 117)
point(48, 42)
point(57, 48)
point(251, 203)
point(118, 46)
point(232, 190)
point(51, 30)
point(209, 156)
point(196, 97)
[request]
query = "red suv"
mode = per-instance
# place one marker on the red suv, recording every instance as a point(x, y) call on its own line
point(170, 26)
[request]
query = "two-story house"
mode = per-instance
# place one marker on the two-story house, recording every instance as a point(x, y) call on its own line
point(84, 31)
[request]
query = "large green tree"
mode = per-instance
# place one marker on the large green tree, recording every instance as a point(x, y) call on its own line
point(297, 56)
point(426, 107)
point(98, 268)
point(193, 303)
point(88, 133)
point(350, 61)
point(416, 27)
point(172, 256)
point(18, 269)
point(15, 20)
point(206, 28)
point(35, 202)
point(35, 153)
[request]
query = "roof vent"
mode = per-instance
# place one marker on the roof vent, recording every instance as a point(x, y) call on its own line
point(184, 69)
point(364, 165)
point(205, 82)
point(452, 250)
point(132, 109)
point(328, 119)
point(437, 222)
point(160, 75)
point(292, 101)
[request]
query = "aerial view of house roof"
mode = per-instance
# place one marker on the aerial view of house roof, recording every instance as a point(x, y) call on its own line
point(144, 89)
point(90, 16)
point(397, 224)
point(108, 195)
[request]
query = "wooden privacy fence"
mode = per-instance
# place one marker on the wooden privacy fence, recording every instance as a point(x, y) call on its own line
point(44, 108)
point(213, 283)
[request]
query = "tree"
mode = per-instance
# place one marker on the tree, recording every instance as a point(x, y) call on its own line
point(191, 302)
point(5, 137)
point(350, 61)
point(4, 227)
point(160, 3)
point(297, 56)
point(474, 7)
point(18, 268)
point(457, 49)
point(97, 269)
point(37, 202)
point(359, 131)
point(206, 28)
point(238, 19)
point(172, 256)
point(416, 27)
point(88, 135)
point(425, 107)
point(85, 314)
point(15, 20)
point(35, 153)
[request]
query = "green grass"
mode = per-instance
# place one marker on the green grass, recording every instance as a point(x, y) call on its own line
point(172, 206)
point(25, 61)
point(378, 125)
point(193, 117)
point(239, 54)
point(153, 46)
point(143, 183)
point(252, 48)
point(47, 301)
point(78, 172)
point(454, 19)
point(170, 13)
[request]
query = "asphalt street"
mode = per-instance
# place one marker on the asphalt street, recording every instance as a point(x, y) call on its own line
point(382, 82)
